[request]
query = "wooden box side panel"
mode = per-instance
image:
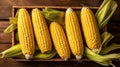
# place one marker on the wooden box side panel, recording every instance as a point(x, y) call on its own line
point(29, 8)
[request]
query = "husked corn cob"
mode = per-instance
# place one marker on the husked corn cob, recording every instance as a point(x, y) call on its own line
point(60, 40)
point(90, 29)
point(74, 33)
point(41, 31)
point(25, 33)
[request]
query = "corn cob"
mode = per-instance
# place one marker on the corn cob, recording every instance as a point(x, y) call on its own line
point(41, 31)
point(60, 40)
point(74, 33)
point(90, 29)
point(25, 33)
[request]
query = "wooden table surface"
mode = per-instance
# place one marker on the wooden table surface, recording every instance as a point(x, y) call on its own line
point(5, 39)
point(6, 5)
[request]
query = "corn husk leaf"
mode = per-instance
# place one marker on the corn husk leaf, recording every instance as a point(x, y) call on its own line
point(113, 56)
point(13, 25)
point(98, 58)
point(54, 15)
point(105, 12)
point(110, 48)
point(10, 28)
point(106, 38)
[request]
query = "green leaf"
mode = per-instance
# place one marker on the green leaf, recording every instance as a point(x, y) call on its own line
point(105, 12)
point(13, 25)
point(109, 14)
point(97, 58)
point(54, 15)
point(113, 56)
point(16, 36)
point(10, 28)
point(101, 7)
point(110, 48)
point(13, 20)
point(106, 38)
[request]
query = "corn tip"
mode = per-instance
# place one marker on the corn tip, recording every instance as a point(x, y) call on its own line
point(34, 9)
point(95, 50)
point(84, 8)
point(69, 10)
point(27, 56)
point(78, 57)
point(65, 59)
point(2, 55)
point(22, 9)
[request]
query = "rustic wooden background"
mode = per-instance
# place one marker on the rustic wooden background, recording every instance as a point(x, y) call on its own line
point(5, 39)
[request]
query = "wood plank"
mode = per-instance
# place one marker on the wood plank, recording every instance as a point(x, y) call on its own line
point(4, 47)
point(4, 38)
point(5, 12)
point(6, 5)
point(9, 62)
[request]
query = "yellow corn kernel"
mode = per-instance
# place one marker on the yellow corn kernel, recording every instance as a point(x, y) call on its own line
point(74, 33)
point(41, 31)
point(60, 40)
point(90, 29)
point(25, 33)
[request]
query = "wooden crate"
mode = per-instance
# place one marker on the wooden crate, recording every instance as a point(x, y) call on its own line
point(29, 8)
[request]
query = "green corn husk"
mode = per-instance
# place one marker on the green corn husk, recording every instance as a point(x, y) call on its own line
point(13, 20)
point(13, 25)
point(98, 58)
point(10, 28)
point(113, 56)
point(105, 12)
point(15, 55)
point(110, 48)
point(54, 15)
point(101, 7)
point(39, 55)
point(109, 14)
point(11, 51)
point(106, 38)
point(45, 55)
point(16, 36)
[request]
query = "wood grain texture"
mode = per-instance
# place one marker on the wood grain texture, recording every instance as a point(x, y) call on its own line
point(9, 62)
point(4, 47)
point(4, 38)
point(6, 5)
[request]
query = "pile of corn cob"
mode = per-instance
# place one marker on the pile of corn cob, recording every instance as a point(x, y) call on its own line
point(36, 35)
